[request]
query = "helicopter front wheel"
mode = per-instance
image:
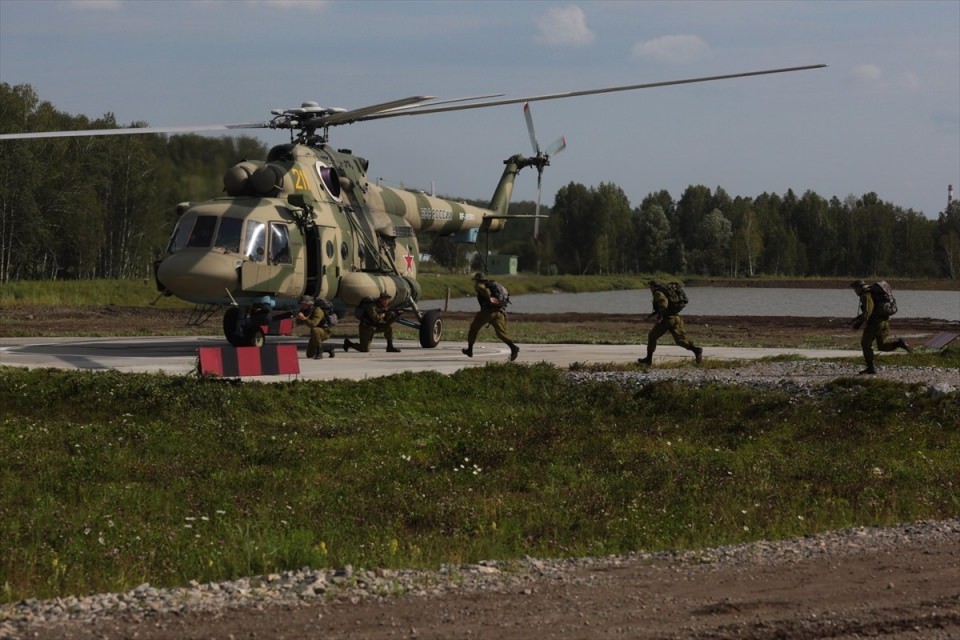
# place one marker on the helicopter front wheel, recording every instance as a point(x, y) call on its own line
point(231, 327)
point(431, 329)
point(253, 337)
point(241, 334)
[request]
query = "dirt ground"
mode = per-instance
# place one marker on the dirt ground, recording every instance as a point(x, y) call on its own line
point(912, 591)
point(757, 331)
point(909, 591)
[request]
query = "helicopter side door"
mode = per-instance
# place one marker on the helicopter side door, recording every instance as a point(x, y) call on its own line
point(275, 261)
point(331, 257)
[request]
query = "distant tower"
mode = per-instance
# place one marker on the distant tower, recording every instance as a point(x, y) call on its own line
point(949, 195)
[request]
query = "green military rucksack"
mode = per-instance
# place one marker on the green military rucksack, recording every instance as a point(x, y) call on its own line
point(360, 311)
point(676, 296)
point(499, 292)
point(884, 304)
point(329, 315)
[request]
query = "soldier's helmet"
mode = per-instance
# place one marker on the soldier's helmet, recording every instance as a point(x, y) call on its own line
point(306, 299)
point(477, 276)
point(858, 284)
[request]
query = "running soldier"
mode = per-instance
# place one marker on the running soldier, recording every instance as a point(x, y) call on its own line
point(493, 312)
point(875, 312)
point(667, 311)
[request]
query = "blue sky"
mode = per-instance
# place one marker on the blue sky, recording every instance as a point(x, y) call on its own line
point(883, 117)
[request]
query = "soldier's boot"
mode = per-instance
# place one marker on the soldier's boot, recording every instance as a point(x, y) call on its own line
point(391, 348)
point(468, 351)
point(318, 355)
point(869, 370)
point(514, 351)
point(903, 345)
point(347, 344)
point(698, 354)
point(330, 350)
point(647, 360)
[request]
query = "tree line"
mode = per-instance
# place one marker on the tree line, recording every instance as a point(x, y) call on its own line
point(103, 207)
point(706, 232)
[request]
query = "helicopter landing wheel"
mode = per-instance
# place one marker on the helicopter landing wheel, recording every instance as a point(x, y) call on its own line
point(230, 327)
point(431, 329)
point(253, 337)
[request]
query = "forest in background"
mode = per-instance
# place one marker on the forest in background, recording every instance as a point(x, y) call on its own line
point(103, 207)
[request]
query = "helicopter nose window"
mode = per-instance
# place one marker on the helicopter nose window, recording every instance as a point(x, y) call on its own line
point(178, 239)
point(228, 236)
point(202, 232)
point(256, 247)
point(279, 244)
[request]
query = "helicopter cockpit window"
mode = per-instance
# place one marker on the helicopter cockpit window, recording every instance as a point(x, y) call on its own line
point(202, 232)
point(279, 244)
point(256, 247)
point(228, 236)
point(178, 239)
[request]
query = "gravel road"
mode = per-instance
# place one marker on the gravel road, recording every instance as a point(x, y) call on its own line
point(896, 582)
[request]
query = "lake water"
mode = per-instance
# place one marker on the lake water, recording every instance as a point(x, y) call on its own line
point(728, 301)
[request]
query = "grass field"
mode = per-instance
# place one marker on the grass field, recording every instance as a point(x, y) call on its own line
point(111, 480)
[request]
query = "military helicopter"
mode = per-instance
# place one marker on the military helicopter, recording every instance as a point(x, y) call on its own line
point(308, 221)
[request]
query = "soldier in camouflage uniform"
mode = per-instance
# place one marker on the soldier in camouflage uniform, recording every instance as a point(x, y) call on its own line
point(876, 327)
point(376, 316)
point(666, 321)
point(492, 312)
point(314, 317)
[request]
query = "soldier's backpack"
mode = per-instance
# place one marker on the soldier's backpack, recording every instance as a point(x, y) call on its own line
point(884, 303)
point(499, 292)
point(676, 297)
point(329, 314)
point(360, 311)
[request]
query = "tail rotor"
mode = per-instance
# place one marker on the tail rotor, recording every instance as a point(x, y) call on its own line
point(541, 159)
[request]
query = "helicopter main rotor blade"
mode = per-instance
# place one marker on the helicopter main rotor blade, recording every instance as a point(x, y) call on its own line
point(395, 107)
point(353, 115)
point(452, 100)
point(573, 94)
point(404, 107)
point(128, 131)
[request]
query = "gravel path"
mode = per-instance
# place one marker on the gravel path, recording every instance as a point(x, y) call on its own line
point(802, 376)
point(160, 613)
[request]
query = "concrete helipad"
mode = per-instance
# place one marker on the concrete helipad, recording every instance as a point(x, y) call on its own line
point(178, 355)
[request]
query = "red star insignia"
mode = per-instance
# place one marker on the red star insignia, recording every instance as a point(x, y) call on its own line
point(409, 258)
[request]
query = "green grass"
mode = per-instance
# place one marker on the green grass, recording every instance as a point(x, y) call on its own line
point(83, 293)
point(110, 480)
point(139, 293)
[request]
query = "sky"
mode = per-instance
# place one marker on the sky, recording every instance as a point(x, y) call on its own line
point(882, 117)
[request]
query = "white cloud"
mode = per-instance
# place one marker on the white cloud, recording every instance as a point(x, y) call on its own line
point(677, 48)
point(910, 81)
point(564, 26)
point(868, 73)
